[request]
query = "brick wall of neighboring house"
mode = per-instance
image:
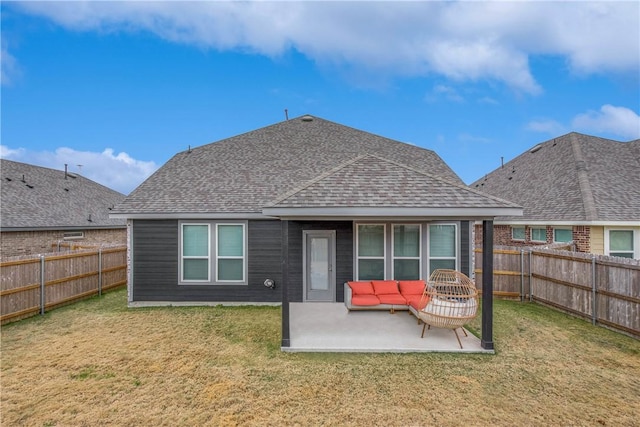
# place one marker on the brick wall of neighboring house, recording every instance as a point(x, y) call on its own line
point(17, 243)
point(502, 236)
point(582, 237)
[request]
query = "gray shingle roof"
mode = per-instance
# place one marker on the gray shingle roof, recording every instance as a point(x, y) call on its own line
point(245, 173)
point(371, 181)
point(574, 177)
point(34, 197)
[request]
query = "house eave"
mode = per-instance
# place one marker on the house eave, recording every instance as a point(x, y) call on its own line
point(335, 213)
point(192, 215)
point(626, 223)
point(64, 228)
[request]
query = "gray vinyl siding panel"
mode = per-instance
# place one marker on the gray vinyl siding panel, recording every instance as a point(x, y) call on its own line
point(344, 255)
point(465, 247)
point(156, 258)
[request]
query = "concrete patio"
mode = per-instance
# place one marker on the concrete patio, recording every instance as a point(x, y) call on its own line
point(330, 327)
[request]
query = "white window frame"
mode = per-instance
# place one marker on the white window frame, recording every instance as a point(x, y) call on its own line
point(73, 235)
point(183, 257)
point(456, 251)
point(538, 228)
point(243, 257)
point(635, 239)
point(524, 230)
point(562, 228)
point(393, 255)
point(384, 254)
point(213, 254)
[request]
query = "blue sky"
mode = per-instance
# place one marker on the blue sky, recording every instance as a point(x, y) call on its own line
point(120, 87)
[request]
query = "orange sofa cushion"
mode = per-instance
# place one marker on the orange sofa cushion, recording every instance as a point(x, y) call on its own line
point(385, 287)
point(417, 302)
point(412, 287)
point(396, 299)
point(365, 300)
point(361, 288)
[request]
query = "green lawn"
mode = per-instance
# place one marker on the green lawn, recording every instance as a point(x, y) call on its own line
point(99, 363)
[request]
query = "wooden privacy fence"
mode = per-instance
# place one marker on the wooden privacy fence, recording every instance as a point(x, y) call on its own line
point(33, 285)
point(603, 289)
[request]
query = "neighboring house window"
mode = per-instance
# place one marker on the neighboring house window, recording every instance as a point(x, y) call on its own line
point(518, 233)
point(195, 252)
point(562, 235)
point(539, 234)
point(621, 243)
point(213, 253)
point(73, 235)
point(406, 251)
point(371, 251)
point(230, 253)
point(442, 247)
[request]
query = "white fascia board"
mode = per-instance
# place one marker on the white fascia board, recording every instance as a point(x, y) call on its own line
point(190, 215)
point(386, 212)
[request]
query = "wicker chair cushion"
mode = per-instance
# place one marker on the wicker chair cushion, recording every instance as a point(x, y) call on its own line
point(452, 308)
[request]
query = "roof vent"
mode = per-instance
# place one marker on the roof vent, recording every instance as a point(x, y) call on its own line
point(536, 148)
point(307, 118)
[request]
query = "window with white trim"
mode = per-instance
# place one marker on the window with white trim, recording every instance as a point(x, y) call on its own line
point(406, 251)
point(371, 251)
point(213, 252)
point(518, 233)
point(195, 249)
point(442, 247)
point(230, 253)
point(538, 234)
point(562, 235)
point(621, 243)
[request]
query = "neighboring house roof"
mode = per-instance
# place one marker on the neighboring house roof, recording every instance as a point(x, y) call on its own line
point(36, 198)
point(573, 178)
point(305, 162)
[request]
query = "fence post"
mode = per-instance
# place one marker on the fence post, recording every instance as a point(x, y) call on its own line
point(521, 274)
point(530, 275)
point(100, 271)
point(594, 313)
point(42, 286)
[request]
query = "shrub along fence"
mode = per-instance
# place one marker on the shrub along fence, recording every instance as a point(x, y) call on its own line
point(603, 289)
point(29, 286)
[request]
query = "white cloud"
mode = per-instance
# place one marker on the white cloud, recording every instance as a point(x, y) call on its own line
point(448, 92)
point(9, 68)
point(463, 41)
point(119, 172)
point(610, 119)
point(467, 137)
point(548, 126)
point(487, 100)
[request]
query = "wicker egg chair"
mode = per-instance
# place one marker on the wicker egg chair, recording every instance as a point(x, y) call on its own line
point(450, 300)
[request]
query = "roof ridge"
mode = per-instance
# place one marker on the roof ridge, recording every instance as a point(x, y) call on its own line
point(589, 204)
point(446, 181)
point(318, 178)
point(362, 156)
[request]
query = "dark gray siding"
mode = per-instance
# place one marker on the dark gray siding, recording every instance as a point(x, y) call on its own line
point(156, 257)
point(465, 248)
point(344, 255)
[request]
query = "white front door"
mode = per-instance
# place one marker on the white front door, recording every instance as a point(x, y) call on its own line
point(318, 265)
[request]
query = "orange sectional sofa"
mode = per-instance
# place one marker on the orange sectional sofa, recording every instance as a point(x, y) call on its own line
point(384, 295)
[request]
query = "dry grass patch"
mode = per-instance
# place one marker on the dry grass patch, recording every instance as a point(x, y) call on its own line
point(99, 363)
